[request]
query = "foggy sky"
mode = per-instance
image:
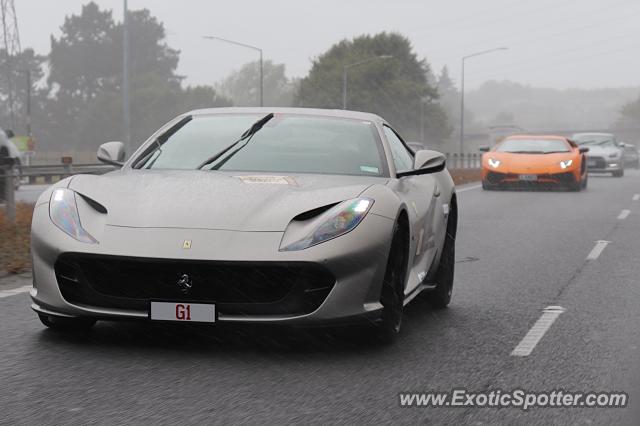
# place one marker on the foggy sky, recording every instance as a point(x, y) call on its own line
point(552, 43)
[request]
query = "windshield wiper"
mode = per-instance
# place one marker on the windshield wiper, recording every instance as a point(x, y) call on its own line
point(247, 135)
point(160, 140)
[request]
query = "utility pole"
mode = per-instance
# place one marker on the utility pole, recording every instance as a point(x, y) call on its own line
point(28, 74)
point(10, 43)
point(422, 121)
point(126, 104)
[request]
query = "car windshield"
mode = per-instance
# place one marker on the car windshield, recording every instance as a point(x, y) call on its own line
point(533, 146)
point(286, 144)
point(594, 140)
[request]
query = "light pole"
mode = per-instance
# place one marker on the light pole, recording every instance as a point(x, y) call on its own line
point(28, 75)
point(248, 47)
point(464, 58)
point(126, 87)
point(346, 68)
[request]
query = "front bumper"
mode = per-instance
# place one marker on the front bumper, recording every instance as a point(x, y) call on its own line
point(243, 273)
point(513, 179)
point(604, 165)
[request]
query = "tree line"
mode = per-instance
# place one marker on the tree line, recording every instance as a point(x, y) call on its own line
point(76, 88)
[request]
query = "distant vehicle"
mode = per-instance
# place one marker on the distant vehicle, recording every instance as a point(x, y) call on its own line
point(310, 216)
point(8, 149)
point(606, 154)
point(631, 156)
point(527, 160)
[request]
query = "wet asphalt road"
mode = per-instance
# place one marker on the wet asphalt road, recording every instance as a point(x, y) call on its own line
point(518, 252)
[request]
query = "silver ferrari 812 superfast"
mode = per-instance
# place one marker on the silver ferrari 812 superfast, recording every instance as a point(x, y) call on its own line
point(270, 215)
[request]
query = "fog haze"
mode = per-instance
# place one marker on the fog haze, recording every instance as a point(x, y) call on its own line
point(587, 43)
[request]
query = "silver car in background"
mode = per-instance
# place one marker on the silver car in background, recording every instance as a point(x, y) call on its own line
point(9, 150)
point(288, 216)
point(631, 156)
point(606, 154)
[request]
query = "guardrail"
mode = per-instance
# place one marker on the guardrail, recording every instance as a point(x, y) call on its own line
point(464, 161)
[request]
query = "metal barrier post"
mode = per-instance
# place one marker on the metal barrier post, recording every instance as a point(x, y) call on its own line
point(67, 163)
point(6, 167)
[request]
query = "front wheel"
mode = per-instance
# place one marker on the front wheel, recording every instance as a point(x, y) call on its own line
point(17, 173)
point(440, 297)
point(585, 182)
point(392, 295)
point(67, 324)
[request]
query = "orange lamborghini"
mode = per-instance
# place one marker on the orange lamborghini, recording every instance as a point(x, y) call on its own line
point(526, 160)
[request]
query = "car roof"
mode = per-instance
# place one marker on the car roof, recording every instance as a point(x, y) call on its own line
point(337, 113)
point(545, 137)
point(593, 134)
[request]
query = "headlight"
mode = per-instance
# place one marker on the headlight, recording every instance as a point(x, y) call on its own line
point(565, 164)
point(337, 221)
point(64, 214)
point(494, 163)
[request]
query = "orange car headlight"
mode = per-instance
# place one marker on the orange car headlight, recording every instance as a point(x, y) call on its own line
point(566, 163)
point(494, 163)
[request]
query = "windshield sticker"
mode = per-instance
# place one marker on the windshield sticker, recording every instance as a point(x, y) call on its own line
point(369, 169)
point(268, 179)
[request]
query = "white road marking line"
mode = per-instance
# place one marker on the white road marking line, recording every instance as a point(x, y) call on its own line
point(636, 197)
point(597, 249)
point(14, 291)
point(468, 188)
point(531, 339)
point(623, 214)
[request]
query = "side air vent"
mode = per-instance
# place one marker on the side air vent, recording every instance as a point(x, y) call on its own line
point(313, 213)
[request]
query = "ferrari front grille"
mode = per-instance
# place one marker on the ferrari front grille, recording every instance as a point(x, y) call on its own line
point(235, 287)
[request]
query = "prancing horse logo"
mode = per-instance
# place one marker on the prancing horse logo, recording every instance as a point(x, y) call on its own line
point(185, 283)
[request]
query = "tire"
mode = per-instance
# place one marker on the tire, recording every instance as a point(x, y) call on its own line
point(17, 169)
point(585, 182)
point(67, 324)
point(486, 186)
point(576, 186)
point(392, 295)
point(618, 173)
point(440, 297)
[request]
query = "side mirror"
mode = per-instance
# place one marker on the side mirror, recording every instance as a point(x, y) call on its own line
point(112, 153)
point(484, 148)
point(622, 144)
point(583, 149)
point(426, 162)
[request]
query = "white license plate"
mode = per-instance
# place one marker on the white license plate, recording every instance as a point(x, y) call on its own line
point(528, 177)
point(183, 312)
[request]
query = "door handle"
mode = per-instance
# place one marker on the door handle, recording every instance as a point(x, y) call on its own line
point(436, 191)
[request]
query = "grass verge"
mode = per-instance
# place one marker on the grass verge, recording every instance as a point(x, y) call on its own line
point(14, 240)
